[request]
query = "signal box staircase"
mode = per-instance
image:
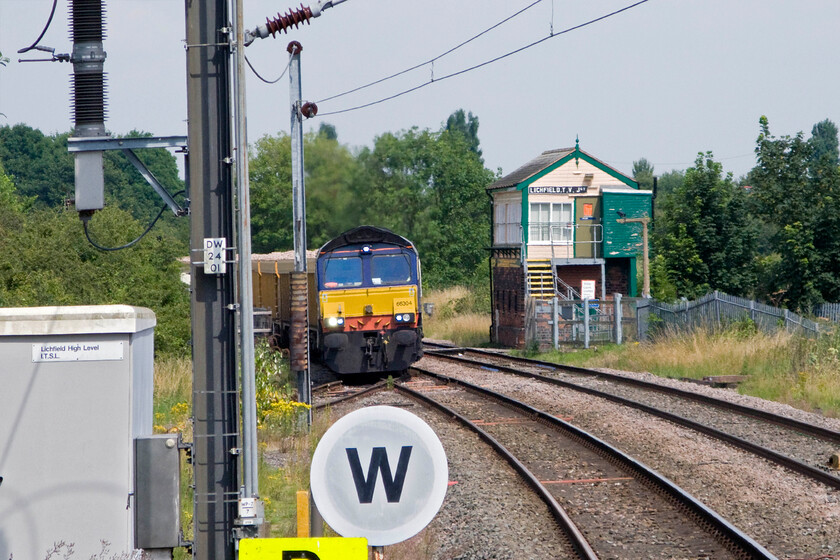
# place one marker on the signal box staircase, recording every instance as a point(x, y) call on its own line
point(544, 283)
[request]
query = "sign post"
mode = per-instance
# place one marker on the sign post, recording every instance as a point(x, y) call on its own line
point(379, 473)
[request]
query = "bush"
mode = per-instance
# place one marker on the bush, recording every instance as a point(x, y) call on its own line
point(55, 265)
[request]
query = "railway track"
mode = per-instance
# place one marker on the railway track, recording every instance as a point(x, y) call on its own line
point(336, 392)
point(795, 445)
point(622, 508)
point(614, 506)
point(787, 514)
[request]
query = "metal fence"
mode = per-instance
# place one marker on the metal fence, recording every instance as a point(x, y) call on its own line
point(583, 322)
point(717, 310)
point(830, 311)
point(639, 318)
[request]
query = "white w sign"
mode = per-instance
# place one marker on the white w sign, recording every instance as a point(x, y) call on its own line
point(379, 473)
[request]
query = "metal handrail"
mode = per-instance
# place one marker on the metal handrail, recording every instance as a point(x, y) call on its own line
point(571, 293)
point(556, 236)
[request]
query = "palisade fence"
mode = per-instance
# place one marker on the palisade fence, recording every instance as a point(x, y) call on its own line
point(639, 318)
point(830, 311)
point(717, 309)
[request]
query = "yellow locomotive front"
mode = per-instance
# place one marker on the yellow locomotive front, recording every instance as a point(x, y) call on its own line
point(369, 302)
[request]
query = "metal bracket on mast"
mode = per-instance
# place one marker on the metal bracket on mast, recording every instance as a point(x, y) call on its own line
point(128, 145)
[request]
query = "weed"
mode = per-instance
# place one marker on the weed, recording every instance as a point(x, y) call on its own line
point(278, 413)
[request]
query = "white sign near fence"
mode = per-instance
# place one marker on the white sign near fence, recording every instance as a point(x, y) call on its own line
point(587, 289)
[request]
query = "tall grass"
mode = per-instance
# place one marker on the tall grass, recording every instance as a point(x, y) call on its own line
point(172, 408)
point(278, 425)
point(458, 317)
point(783, 367)
point(278, 485)
point(173, 395)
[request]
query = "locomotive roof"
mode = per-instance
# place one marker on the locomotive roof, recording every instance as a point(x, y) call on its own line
point(365, 234)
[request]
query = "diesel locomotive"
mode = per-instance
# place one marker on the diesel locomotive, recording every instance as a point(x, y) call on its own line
point(364, 302)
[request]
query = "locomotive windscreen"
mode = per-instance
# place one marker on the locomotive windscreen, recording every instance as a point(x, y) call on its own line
point(390, 269)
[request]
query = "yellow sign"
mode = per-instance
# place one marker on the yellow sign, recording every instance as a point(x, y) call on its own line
point(310, 549)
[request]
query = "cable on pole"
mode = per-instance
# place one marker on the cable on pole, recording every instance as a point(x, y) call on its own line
point(257, 74)
point(87, 216)
point(41, 36)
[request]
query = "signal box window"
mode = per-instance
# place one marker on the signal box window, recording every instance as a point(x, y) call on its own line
point(390, 269)
point(343, 272)
point(551, 223)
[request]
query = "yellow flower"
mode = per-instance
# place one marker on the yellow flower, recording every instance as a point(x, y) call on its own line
point(180, 409)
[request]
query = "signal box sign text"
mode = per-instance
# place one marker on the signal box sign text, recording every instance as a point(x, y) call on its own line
point(88, 351)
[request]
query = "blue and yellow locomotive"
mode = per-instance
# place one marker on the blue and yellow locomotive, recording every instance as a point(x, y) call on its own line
point(364, 301)
point(369, 310)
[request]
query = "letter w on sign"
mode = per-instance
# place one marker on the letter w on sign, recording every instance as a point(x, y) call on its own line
point(378, 462)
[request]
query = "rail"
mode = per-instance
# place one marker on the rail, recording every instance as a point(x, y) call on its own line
point(787, 462)
point(736, 539)
point(575, 536)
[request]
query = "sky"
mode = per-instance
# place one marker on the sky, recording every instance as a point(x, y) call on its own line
point(662, 81)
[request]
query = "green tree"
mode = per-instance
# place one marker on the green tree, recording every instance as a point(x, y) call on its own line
point(39, 165)
point(706, 235)
point(42, 168)
point(666, 184)
point(10, 200)
point(54, 264)
point(798, 195)
point(330, 171)
point(643, 174)
point(466, 125)
point(429, 187)
point(825, 144)
point(328, 131)
point(270, 171)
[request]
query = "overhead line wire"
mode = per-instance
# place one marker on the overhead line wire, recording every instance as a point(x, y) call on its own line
point(431, 60)
point(485, 63)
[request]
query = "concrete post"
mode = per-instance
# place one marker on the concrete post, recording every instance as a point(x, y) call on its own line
point(619, 332)
point(586, 323)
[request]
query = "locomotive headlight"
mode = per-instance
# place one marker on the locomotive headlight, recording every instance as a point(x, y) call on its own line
point(404, 317)
point(335, 321)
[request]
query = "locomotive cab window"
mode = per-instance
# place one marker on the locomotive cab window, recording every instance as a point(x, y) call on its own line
point(390, 269)
point(342, 272)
